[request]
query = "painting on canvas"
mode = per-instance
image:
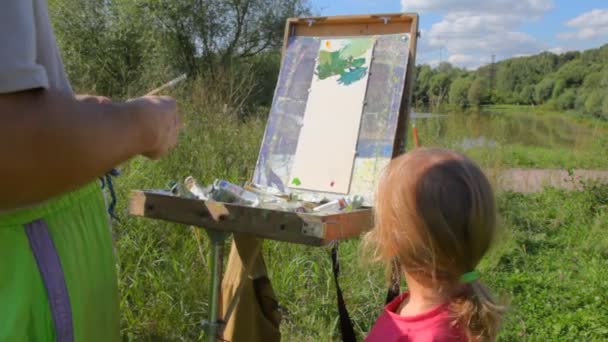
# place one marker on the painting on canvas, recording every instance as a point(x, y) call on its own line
point(327, 144)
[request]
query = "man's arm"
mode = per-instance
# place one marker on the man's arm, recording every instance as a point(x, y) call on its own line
point(51, 143)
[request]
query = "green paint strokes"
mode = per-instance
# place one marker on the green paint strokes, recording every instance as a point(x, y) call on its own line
point(356, 48)
point(296, 181)
point(348, 62)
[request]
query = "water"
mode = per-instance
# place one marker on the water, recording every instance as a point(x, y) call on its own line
point(468, 131)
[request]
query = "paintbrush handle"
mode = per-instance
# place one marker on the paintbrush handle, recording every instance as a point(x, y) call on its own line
point(167, 85)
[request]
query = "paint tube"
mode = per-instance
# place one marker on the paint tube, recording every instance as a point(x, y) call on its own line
point(179, 190)
point(193, 186)
point(335, 205)
point(355, 203)
point(265, 191)
point(268, 196)
point(341, 204)
point(224, 191)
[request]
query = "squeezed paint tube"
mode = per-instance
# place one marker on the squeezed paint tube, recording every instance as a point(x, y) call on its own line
point(224, 191)
point(193, 186)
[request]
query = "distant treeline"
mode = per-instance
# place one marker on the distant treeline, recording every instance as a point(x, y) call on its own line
point(569, 81)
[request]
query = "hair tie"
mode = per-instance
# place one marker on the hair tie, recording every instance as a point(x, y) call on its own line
point(469, 277)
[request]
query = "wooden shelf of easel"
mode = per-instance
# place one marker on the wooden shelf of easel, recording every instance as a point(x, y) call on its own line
point(307, 229)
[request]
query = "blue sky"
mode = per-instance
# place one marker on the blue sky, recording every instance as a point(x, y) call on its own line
point(468, 32)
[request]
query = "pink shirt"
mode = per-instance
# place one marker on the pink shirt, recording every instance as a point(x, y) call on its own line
point(431, 326)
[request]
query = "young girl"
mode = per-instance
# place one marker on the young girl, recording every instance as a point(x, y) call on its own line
point(435, 215)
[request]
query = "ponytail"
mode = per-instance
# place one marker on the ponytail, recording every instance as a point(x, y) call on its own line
point(477, 313)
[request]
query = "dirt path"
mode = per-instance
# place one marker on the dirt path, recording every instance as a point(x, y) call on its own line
point(533, 180)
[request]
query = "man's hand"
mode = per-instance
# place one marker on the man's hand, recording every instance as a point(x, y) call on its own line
point(74, 140)
point(157, 116)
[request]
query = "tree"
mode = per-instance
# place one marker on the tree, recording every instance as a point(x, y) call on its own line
point(544, 90)
point(475, 93)
point(439, 86)
point(424, 74)
point(527, 94)
point(117, 44)
point(594, 102)
point(459, 90)
point(566, 100)
point(573, 73)
point(558, 89)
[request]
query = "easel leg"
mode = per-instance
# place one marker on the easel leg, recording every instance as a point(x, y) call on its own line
point(249, 304)
point(217, 262)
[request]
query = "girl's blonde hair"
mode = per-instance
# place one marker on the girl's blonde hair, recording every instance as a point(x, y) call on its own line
point(435, 214)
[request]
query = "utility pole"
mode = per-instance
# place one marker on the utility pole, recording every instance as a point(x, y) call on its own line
point(492, 75)
point(440, 50)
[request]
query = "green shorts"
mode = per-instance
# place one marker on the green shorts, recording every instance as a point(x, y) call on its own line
point(57, 271)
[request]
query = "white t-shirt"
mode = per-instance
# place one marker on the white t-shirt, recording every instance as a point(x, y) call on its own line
point(29, 57)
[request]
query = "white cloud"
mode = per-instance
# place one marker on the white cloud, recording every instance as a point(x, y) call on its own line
point(471, 31)
point(558, 50)
point(589, 25)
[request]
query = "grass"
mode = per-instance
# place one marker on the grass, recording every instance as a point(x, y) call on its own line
point(550, 263)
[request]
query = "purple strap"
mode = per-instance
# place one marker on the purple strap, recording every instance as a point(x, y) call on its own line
point(51, 272)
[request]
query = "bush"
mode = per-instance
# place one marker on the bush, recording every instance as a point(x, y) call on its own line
point(566, 100)
point(475, 94)
point(459, 92)
point(558, 89)
point(594, 102)
point(543, 90)
point(527, 94)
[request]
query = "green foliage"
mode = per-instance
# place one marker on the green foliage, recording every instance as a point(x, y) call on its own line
point(593, 80)
point(543, 90)
point(566, 100)
point(594, 102)
point(548, 266)
point(527, 94)
point(572, 73)
point(459, 90)
point(558, 88)
point(120, 48)
point(475, 93)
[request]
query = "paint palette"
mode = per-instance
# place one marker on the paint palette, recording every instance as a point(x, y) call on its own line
point(339, 115)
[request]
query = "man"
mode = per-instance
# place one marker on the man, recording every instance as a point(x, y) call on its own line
point(57, 271)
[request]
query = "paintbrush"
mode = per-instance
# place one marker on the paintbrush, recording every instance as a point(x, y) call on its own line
point(169, 84)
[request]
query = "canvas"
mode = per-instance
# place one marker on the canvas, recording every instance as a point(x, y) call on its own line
point(379, 121)
point(328, 139)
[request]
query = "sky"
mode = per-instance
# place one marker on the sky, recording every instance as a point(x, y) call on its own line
point(467, 33)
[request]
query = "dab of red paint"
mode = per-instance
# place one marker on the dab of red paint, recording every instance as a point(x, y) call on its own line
point(332, 184)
